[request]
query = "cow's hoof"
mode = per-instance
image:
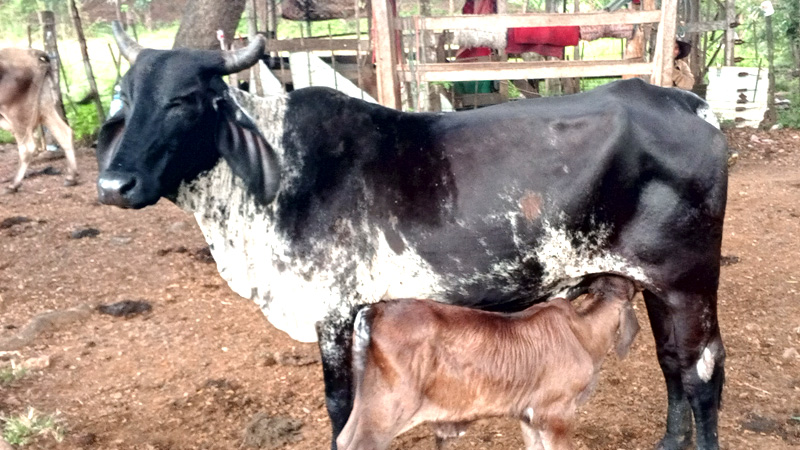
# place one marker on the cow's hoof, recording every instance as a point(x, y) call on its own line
point(673, 443)
point(10, 189)
point(70, 182)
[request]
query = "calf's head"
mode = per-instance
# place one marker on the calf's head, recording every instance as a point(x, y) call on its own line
point(621, 292)
point(178, 119)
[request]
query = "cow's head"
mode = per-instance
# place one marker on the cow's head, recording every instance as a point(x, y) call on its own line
point(178, 119)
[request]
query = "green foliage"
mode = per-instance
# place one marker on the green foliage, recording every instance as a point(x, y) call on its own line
point(790, 118)
point(753, 32)
point(21, 429)
point(6, 137)
point(84, 122)
point(13, 14)
point(513, 91)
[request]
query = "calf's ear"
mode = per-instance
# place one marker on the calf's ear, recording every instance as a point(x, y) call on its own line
point(628, 328)
point(246, 151)
point(109, 138)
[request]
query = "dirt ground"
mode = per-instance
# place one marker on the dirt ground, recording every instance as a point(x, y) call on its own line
point(203, 369)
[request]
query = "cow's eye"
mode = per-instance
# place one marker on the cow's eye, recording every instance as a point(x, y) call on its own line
point(177, 102)
point(185, 101)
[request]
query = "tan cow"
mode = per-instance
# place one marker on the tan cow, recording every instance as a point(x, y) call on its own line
point(28, 99)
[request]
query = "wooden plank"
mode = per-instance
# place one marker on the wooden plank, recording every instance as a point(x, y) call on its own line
point(385, 54)
point(502, 21)
point(478, 100)
point(665, 44)
point(704, 27)
point(527, 70)
point(349, 71)
point(314, 45)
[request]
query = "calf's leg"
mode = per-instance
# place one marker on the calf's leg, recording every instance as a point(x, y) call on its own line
point(447, 432)
point(555, 435)
point(531, 436)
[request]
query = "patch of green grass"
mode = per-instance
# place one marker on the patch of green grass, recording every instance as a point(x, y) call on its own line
point(23, 428)
point(11, 373)
point(6, 137)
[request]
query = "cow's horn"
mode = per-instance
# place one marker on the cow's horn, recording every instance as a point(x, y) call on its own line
point(127, 46)
point(238, 60)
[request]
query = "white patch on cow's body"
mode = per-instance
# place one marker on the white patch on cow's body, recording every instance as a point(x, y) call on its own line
point(705, 365)
point(705, 113)
point(256, 259)
point(565, 264)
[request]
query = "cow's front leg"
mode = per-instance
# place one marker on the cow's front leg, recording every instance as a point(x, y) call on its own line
point(335, 335)
point(27, 150)
point(691, 356)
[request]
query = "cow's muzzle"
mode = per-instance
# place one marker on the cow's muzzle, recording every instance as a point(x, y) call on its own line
point(121, 189)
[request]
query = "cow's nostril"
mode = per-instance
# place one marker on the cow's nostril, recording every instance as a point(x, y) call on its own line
point(115, 188)
point(127, 185)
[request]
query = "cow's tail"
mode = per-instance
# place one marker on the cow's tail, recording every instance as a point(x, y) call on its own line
point(49, 85)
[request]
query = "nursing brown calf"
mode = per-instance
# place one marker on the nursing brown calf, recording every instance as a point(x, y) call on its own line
point(420, 361)
point(28, 99)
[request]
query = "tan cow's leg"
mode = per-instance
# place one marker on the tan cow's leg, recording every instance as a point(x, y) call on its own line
point(27, 150)
point(63, 134)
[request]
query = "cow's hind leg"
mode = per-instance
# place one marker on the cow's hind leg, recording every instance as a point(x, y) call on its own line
point(691, 356)
point(63, 134)
point(335, 335)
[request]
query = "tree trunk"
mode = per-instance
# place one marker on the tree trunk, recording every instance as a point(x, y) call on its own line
point(771, 116)
point(76, 21)
point(695, 57)
point(48, 22)
point(201, 20)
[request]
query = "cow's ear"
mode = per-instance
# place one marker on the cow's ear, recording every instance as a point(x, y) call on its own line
point(109, 138)
point(246, 151)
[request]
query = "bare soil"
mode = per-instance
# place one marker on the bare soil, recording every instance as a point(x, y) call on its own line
point(203, 369)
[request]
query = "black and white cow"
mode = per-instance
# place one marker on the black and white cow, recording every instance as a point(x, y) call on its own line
point(332, 202)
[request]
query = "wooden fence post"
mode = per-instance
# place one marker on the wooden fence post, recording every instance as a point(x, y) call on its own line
point(47, 19)
point(771, 115)
point(730, 33)
point(665, 44)
point(252, 30)
point(76, 21)
point(386, 54)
